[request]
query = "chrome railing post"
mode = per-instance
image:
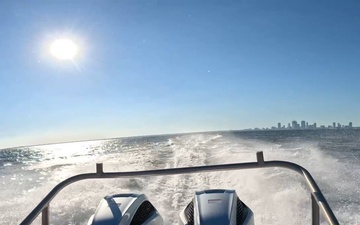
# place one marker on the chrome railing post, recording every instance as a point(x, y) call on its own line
point(315, 212)
point(45, 216)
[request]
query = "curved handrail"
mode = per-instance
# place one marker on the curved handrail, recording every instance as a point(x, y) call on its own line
point(315, 190)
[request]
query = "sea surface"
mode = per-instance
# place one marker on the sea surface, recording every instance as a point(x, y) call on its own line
point(275, 195)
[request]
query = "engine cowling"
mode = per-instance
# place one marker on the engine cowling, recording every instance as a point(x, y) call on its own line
point(214, 207)
point(126, 209)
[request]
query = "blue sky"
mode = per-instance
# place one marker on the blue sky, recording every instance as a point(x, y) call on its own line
point(150, 67)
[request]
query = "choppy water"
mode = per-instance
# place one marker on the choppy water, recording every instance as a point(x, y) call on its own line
point(276, 196)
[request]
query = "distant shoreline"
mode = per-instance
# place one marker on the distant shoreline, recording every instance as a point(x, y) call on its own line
point(291, 129)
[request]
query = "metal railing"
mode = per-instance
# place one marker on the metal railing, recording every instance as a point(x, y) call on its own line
point(318, 201)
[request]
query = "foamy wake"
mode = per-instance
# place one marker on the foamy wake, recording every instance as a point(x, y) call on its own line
point(272, 202)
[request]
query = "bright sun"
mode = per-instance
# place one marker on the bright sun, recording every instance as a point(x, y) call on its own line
point(63, 49)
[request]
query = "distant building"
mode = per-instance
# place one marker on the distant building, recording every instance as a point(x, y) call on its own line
point(303, 124)
point(279, 125)
point(294, 124)
point(339, 125)
point(315, 125)
point(334, 124)
point(307, 125)
point(350, 125)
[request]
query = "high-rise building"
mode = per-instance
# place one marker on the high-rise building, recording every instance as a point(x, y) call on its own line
point(294, 124)
point(339, 125)
point(315, 125)
point(307, 125)
point(279, 125)
point(334, 124)
point(350, 125)
point(302, 124)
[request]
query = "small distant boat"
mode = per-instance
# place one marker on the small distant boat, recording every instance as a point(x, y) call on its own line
point(208, 207)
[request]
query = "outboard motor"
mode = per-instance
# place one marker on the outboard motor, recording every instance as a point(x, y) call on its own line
point(215, 207)
point(126, 209)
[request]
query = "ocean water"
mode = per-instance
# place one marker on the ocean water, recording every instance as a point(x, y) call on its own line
point(276, 196)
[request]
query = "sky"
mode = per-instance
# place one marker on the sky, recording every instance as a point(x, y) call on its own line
point(166, 66)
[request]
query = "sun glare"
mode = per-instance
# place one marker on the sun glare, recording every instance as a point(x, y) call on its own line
point(63, 49)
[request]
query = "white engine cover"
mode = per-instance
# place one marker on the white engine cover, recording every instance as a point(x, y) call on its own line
point(126, 209)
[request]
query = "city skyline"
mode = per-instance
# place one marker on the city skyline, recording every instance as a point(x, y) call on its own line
point(306, 125)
